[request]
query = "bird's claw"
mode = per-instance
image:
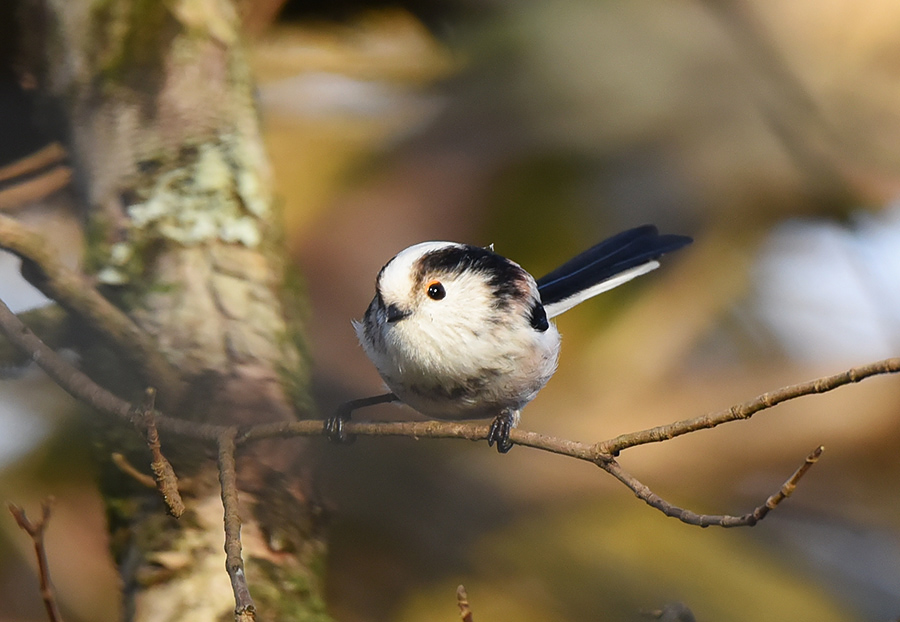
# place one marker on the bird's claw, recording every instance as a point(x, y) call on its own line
point(334, 428)
point(499, 433)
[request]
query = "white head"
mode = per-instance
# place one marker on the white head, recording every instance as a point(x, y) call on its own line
point(450, 314)
point(437, 293)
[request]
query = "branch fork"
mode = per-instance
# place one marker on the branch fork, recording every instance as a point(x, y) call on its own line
point(36, 531)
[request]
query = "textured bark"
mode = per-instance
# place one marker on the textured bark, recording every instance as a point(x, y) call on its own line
point(164, 137)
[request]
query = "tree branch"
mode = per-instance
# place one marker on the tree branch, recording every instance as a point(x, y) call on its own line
point(244, 609)
point(748, 408)
point(33, 177)
point(705, 520)
point(121, 463)
point(36, 531)
point(462, 599)
point(789, 486)
point(43, 269)
point(49, 155)
point(50, 323)
point(34, 189)
point(163, 473)
point(85, 390)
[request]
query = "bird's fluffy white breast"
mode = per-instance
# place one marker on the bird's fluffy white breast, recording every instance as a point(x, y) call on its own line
point(450, 335)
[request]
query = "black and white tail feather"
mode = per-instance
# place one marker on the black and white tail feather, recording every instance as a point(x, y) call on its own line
point(606, 265)
point(460, 332)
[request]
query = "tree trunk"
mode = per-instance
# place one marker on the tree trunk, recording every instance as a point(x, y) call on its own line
point(163, 133)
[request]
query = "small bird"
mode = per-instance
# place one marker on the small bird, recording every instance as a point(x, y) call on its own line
point(460, 332)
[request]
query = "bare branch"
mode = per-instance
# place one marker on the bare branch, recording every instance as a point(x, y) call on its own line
point(564, 447)
point(127, 468)
point(748, 408)
point(467, 430)
point(34, 189)
point(33, 177)
point(47, 156)
point(82, 388)
point(65, 375)
point(705, 520)
point(36, 531)
point(44, 270)
point(244, 609)
point(50, 323)
point(462, 599)
point(166, 480)
point(787, 489)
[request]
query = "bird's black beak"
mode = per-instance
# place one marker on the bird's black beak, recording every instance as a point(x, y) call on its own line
point(395, 313)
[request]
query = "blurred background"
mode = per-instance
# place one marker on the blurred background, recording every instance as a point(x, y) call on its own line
point(767, 130)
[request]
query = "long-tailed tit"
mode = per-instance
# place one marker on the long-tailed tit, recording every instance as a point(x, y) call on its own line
point(460, 332)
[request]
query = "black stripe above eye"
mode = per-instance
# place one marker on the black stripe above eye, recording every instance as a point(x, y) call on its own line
point(504, 277)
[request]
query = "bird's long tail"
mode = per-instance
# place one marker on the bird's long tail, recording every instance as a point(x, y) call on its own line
point(604, 266)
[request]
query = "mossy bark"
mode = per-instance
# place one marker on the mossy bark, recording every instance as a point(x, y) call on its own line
point(164, 135)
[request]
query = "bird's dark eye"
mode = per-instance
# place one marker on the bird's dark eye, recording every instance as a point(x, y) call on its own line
point(436, 290)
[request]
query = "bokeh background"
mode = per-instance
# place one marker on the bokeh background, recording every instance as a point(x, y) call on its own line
point(767, 130)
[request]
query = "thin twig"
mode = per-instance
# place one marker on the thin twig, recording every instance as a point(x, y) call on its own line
point(72, 291)
point(33, 189)
point(166, 480)
point(748, 408)
point(706, 520)
point(789, 486)
point(76, 383)
point(127, 468)
point(462, 599)
point(85, 390)
point(44, 157)
point(244, 609)
point(36, 531)
point(50, 323)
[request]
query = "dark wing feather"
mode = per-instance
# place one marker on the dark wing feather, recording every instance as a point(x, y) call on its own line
point(607, 259)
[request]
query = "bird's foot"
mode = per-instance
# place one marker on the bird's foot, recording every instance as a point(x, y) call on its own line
point(499, 431)
point(334, 426)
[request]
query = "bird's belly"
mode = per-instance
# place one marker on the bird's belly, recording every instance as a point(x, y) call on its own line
point(475, 391)
point(471, 399)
